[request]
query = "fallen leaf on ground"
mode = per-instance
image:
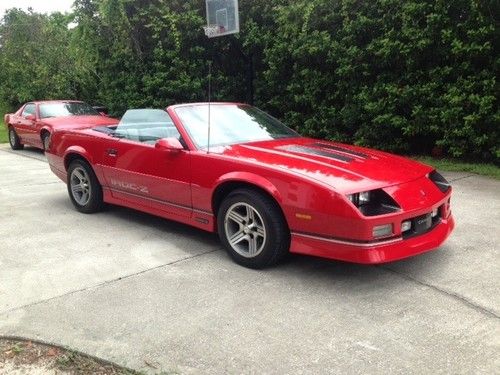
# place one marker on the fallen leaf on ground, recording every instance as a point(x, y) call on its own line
point(52, 352)
point(150, 364)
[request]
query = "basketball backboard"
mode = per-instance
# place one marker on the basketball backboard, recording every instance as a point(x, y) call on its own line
point(222, 18)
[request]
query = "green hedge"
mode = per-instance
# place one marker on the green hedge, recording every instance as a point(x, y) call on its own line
point(416, 77)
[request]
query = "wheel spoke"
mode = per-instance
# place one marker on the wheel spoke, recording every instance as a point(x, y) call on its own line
point(84, 197)
point(236, 217)
point(250, 214)
point(78, 174)
point(259, 231)
point(237, 237)
point(77, 188)
point(252, 246)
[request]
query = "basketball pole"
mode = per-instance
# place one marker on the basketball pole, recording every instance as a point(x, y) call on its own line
point(219, 26)
point(209, 102)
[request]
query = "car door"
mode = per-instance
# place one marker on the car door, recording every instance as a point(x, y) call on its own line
point(137, 172)
point(25, 127)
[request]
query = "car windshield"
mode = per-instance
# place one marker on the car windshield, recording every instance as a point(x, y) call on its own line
point(230, 124)
point(67, 109)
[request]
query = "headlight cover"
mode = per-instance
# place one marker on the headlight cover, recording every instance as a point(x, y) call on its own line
point(439, 181)
point(374, 202)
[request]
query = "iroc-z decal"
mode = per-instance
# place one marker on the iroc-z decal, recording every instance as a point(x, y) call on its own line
point(130, 186)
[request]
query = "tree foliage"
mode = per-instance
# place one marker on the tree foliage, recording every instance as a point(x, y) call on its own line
point(412, 76)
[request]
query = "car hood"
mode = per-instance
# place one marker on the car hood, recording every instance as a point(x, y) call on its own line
point(346, 168)
point(79, 121)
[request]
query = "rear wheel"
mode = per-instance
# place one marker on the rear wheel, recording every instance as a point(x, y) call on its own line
point(15, 142)
point(84, 189)
point(253, 229)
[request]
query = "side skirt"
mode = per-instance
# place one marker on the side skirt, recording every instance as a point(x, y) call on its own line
point(199, 219)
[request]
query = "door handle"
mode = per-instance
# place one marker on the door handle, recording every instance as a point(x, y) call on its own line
point(112, 152)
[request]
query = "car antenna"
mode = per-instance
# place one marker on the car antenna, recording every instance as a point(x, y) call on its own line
point(209, 101)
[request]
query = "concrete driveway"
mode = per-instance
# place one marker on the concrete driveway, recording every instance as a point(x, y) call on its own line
point(156, 296)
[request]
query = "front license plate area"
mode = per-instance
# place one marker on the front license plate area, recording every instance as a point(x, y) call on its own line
point(422, 223)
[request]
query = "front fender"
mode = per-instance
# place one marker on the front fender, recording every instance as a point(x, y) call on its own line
point(249, 178)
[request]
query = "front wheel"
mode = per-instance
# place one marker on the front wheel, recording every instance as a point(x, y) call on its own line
point(46, 141)
point(14, 141)
point(84, 189)
point(252, 228)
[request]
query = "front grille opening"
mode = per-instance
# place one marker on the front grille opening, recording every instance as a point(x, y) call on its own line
point(422, 224)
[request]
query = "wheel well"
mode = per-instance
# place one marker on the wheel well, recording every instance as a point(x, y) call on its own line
point(73, 156)
point(223, 190)
point(43, 132)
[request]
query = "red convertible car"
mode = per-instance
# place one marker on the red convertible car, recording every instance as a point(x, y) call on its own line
point(34, 122)
point(266, 190)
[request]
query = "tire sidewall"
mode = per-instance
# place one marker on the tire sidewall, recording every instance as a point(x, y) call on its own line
point(17, 142)
point(95, 202)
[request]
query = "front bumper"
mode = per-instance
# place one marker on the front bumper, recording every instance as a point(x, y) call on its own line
point(374, 252)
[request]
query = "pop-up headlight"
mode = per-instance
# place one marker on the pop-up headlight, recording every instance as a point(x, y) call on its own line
point(440, 181)
point(374, 202)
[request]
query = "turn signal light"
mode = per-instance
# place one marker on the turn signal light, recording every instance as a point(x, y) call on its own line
point(382, 230)
point(405, 225)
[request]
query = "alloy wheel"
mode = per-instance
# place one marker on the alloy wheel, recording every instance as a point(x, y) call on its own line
point(245, 230)
point(80, 186)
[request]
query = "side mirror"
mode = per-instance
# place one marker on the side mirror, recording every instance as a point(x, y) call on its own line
point(31, 117)
point(169, 145)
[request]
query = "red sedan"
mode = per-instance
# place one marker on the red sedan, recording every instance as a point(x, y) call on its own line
point(266, 190)
point(34, 122)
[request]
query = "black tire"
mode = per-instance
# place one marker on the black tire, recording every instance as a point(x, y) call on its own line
point(84, 189)
point(45, 141)
point(267, 236)
point(15, 142)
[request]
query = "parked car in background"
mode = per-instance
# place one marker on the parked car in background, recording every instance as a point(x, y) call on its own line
point(34, 122)
point(264, 188)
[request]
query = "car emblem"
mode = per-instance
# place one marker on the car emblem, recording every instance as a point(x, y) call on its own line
point(422, 193)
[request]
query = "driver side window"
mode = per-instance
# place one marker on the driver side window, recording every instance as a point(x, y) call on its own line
point(29, 109)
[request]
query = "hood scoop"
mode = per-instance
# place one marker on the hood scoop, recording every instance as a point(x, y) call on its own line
point(343, 150)
point(315, 151)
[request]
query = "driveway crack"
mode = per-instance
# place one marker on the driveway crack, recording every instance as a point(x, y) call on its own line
point(23, 154)
point(107, 282)
point(462, 178)
point(484, 310)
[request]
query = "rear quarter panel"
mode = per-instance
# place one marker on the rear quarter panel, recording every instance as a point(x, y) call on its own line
point(81, 142)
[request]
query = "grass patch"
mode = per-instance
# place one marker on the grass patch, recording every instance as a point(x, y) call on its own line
point(452, 165)
point(27, 357)
point(4, 137)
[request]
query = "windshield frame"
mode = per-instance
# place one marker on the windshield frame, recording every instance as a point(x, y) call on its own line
point(290, 132)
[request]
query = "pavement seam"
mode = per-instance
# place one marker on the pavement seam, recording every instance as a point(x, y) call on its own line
point(23, 155)
point(104, 283)
point(464, 300)
point(462, 178)
point(37, 184)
